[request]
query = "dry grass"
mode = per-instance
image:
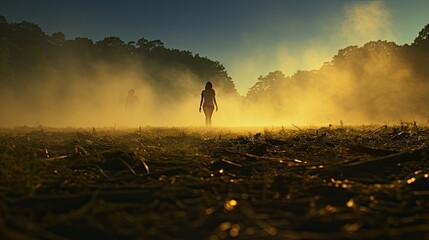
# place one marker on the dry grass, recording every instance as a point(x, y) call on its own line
point(185, 183)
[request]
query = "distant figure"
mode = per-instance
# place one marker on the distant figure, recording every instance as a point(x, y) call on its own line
point(131, 104)
point(208, 101)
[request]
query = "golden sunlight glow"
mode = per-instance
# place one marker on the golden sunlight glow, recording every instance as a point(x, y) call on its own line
point(350, 203)
point(353, 227)
point(411, 180)
point(234, 231)
point(310, 101)
point(225, 226)
point(209, 211)
point(230, 205)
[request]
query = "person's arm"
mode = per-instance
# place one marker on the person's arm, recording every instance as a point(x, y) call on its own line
point(214, 99)
point(201, 102)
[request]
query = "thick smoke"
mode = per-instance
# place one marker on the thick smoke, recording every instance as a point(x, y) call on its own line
point(100, 100)
point(366, 21)
point(77, 102)
point(382, 89)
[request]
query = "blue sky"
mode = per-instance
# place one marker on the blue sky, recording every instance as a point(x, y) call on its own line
point(249, 37)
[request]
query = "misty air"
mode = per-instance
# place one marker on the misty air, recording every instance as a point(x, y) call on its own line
point(214, 120)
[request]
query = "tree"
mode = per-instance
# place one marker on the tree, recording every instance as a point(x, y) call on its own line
point(148, 46)
point(58, 38)
point(384, 48)
point(265, 85)
point(28, 54)
point(345, 53)
point(80, 43)
point(423, 37)
point(418, 53)
point(31, 29)
point(4, 59)
point(131, 46)
point(142, 42)
point(109, 44)
point(113, 49)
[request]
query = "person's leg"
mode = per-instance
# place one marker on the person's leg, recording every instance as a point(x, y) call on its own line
point(210, 116)
point(207, 115)
point(208, 111)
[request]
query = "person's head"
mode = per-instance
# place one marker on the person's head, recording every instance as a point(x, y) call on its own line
point(209, 85)
point(131, 92)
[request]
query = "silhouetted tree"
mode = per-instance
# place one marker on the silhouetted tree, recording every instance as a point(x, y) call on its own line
point(28, 54)
point(4, 60)
point(148, 46)
point(112, 48)
point(58, 38)
point(423, 38)
point(265, 84)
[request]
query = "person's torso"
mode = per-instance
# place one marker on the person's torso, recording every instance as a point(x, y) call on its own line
point(208, 97)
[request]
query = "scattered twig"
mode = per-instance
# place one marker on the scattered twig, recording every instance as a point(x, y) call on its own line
point(373, 165)
point(296, 127)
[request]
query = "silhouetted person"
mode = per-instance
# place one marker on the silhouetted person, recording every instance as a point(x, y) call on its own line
point(131, 104)
point(208, 101)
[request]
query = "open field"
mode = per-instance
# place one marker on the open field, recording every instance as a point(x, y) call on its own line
point(358, 182)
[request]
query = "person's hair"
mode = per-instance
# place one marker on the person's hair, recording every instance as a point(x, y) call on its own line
point(131, 91)
point(209, 85)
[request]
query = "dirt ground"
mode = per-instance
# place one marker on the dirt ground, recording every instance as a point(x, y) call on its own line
point(360, 182)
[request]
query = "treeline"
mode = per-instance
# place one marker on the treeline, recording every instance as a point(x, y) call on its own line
point(375, 82)
point(29, 56)
point(379, 81)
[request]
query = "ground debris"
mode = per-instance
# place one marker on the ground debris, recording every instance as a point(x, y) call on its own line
point(375, 165)
point(176, 183)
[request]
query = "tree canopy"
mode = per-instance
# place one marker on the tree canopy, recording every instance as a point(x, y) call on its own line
point(27, 54)
point(375, 80)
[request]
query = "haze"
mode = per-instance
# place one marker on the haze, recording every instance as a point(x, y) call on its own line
point(389, 89)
